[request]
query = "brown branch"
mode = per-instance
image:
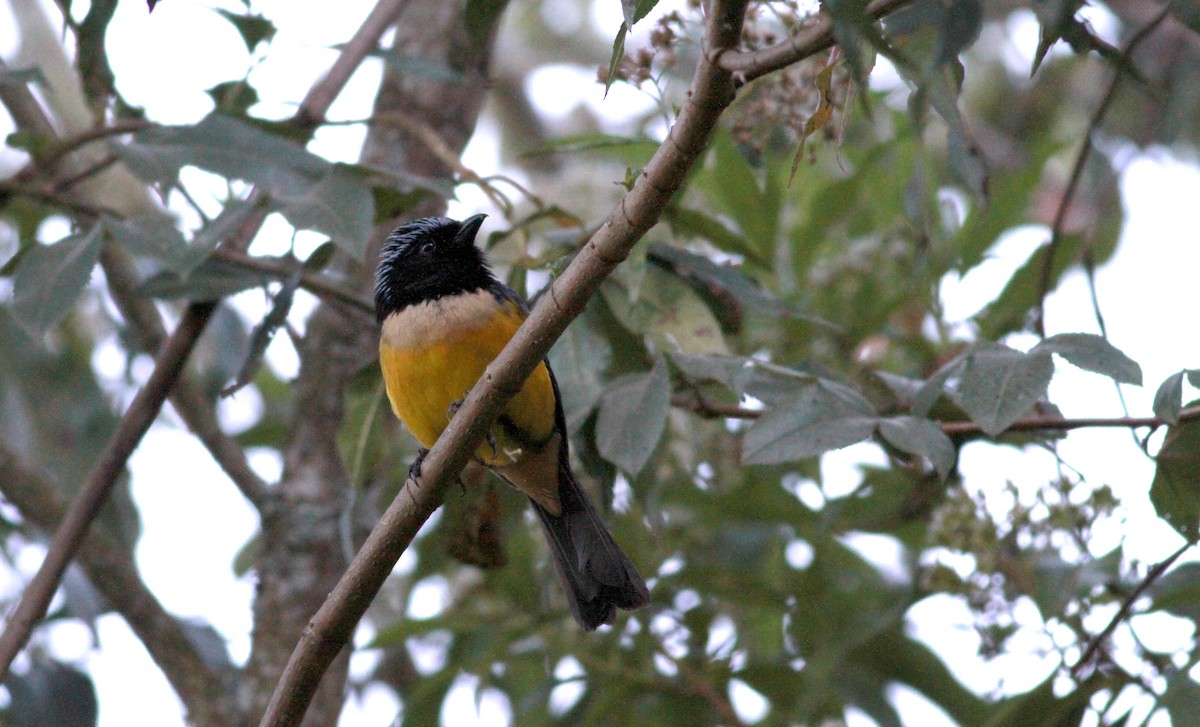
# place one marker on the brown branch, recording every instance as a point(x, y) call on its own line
point(1060, 215)
point(60, 150)
point(197, 412)
point(716, 410)
point(749, 65)
point(320, 97)
point(200, 680)
point(711, 91)
point(83, 509)
point(168, 366)
point(1126, 607)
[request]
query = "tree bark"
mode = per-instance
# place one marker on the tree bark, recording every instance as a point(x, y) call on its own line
point(302, 554)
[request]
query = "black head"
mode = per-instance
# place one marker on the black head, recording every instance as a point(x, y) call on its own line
point(428, 259)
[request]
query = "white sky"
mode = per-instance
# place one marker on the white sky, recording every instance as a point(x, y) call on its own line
point(155, 59)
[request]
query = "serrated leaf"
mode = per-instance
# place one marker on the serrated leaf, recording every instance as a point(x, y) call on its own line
point(1093, 353)
point(1000, 385)
point(920, 437)
point(1175, 490)
point(157, 237)
point(50, 278)
point(633, 415)
point(580, 359)
point(211, 280)
point(1168, 400)
point(824, 416)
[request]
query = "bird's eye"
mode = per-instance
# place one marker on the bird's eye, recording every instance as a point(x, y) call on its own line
point(426, 248)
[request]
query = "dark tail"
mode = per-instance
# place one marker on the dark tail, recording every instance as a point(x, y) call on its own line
point(596, 576)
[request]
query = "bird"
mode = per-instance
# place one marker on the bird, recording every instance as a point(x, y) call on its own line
point(443, 318)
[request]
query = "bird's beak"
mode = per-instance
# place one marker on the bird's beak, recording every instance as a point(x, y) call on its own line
point(467, 230)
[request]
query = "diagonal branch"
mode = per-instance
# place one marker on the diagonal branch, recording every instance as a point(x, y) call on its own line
point(1085, 151)
point(109, 565)
point(84, 508)
point(711, 91)
point(168, 364)
point(1153, 575)
point(749, 65)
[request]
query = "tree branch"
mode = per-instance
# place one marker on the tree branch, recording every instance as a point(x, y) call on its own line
point(711, 91)
point(1126, 607)
point(749, 65)
point(200, 683)
point(83, 509)
point(717, 410)
point(168, 365)
point(1064, 204)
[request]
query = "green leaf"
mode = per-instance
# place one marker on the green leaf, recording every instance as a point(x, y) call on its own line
point(733, 186)
point(1000, 385)
point(635, 10)
point(1168, 400)
point(1178, 592)
point(580, 360)
point(51, 277)
point(157, 237)
point(1093, 353)
point(666, 309)
point(1181, 698)
point(211, 280)
point(1055, 17)
point(340, 204)
point(310, 191)
point(618, 52)
point(233, 97)
point(921, 437)
point(1175, 490)
point(633, 415)
point(254, 29)
point(734, 372)
point(825, 415)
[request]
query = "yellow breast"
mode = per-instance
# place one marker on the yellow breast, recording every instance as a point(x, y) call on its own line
point(433, 353)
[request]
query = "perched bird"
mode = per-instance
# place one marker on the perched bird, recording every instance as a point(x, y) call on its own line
point(444, 318)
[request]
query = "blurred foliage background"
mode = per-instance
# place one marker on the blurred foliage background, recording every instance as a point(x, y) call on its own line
point(788, 304)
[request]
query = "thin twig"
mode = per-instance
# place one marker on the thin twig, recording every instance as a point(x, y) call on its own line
point(1126, 607)
point(711, 91)
point(60, 150)
point(320, 97)
point(434, 142)
point(717, 410)
point(1064, 204)
point(749, 65)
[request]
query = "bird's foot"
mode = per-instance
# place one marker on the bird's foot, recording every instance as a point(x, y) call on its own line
point(414, 469)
